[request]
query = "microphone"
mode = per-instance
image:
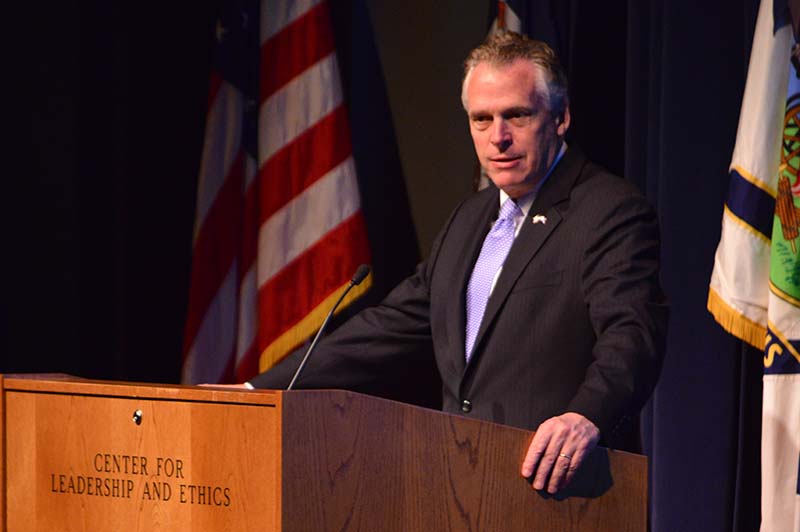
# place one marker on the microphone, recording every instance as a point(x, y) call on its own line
point(360, 275)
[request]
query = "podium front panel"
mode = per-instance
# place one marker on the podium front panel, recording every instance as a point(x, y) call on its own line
point(89, 456)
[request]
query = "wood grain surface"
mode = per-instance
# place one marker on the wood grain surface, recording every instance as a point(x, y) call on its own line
point(200, 459)
point(372, 464)
point(293, 461)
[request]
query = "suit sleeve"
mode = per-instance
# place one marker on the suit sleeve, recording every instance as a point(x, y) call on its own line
point(365, 352)
point(628, 312)
point(384, 350)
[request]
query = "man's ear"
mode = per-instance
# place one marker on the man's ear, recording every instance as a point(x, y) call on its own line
point(562, 122)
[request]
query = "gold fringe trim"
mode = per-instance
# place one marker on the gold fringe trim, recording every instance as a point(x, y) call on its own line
point(735, 323)
point(302, 330)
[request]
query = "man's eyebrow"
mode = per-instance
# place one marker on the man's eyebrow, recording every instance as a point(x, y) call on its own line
point(516, 110)
point(519, 110)
point(479, 114)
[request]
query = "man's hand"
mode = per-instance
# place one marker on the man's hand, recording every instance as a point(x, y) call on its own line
point(558, 449)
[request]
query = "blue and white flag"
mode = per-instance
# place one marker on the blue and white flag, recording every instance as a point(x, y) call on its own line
point(755, 286)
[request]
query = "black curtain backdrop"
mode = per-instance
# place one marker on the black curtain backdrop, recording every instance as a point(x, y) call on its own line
point(99, 206)
point(656, 89)
point(97, 223)
point(685, 75)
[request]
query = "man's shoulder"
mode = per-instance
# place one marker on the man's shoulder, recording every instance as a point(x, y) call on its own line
point(594, 176)
point(601, 197)
point(600, 186)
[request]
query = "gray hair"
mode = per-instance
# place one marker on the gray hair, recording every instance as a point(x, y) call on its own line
point(505, 47)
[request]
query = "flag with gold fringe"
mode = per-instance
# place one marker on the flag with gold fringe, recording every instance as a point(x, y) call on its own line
point(279, 228)
point(755, 286)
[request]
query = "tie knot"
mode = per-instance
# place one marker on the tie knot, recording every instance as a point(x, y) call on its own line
point(508, 210)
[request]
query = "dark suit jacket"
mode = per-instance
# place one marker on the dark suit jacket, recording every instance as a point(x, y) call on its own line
point(576, 321)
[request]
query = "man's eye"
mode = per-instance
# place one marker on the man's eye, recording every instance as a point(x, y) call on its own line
point(520, 119)
point(482, 122)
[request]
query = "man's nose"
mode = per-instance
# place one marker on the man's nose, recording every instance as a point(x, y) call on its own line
point(501, 134)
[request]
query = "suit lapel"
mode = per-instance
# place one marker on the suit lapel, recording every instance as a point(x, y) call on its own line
point(532, 236)
point(476, 231)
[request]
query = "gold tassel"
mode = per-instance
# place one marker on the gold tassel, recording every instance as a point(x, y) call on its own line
point(735, 322)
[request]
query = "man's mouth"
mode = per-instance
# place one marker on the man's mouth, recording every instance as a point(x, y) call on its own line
point(505, 161)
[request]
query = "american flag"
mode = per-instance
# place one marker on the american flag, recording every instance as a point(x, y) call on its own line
point(278, 229)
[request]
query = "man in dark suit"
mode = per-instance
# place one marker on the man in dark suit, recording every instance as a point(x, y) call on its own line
point(540, 298)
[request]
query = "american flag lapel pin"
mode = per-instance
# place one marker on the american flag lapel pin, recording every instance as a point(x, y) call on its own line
point(540, 219)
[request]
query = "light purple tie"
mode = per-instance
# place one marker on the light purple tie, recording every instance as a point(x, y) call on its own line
point(493, 254)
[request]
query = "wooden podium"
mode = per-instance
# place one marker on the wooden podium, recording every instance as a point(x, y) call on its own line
point(106, 456)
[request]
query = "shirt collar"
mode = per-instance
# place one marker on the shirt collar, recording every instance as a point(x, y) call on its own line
point(526, 201)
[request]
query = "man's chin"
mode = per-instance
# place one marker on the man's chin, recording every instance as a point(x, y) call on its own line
point(514, 186)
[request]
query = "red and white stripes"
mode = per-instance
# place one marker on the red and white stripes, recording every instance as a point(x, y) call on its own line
point(275, 241)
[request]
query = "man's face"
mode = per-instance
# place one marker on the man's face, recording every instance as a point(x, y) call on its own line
point(516, 136)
